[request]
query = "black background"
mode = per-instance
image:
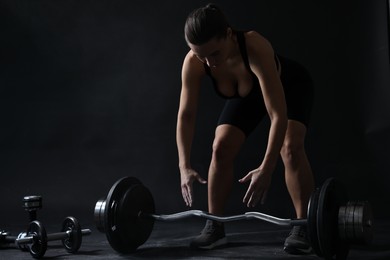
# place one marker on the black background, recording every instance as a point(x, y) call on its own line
point(89, 93)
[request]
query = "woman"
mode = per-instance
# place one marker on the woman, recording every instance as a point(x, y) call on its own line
point(255, 82)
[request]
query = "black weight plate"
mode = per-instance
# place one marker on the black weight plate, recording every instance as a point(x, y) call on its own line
point(312, 222)
point(125, 230)
point(332, 196)
point(73, 242)
point(39, 245)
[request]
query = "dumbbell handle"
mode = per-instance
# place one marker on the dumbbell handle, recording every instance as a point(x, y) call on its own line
point(53, 236)
point(247, 215)
point(9, 239)
point(66, 234)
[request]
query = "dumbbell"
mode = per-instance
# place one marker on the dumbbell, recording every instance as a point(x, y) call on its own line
point(31, 204)
point(333, 223)
point(37, 238)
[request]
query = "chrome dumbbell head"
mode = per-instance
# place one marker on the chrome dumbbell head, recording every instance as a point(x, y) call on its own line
point(31, 204)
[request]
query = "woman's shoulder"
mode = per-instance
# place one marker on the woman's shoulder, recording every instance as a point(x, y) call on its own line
point(192, 64)
point(255, 42)
point(190, 57)
point(255, 38)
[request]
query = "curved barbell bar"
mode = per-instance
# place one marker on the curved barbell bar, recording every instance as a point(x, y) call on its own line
point(247, 215)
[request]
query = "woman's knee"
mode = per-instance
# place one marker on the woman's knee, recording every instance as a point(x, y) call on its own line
point(292, 152)
point(293, 148)
point(226, 145)
point(223, 150)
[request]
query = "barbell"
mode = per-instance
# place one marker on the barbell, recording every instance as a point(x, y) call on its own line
point(333, 223)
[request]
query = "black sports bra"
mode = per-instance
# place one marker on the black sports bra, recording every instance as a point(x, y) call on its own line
point(244, 55)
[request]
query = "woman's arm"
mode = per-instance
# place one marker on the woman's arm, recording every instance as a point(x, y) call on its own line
point(192, 72)
point(262, 63)
point(187, 110)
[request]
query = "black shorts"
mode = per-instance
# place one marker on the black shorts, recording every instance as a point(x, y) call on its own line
point(247, 112)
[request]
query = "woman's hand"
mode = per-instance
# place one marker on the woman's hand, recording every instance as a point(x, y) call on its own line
point(258, 188)
point(188, 176)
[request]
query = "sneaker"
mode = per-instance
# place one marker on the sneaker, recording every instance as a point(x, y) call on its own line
point(297, 242)
point(212, 235)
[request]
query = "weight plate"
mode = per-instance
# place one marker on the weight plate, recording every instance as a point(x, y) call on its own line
point(367, 224)
point(332, 196)
point(345, 220)
point(125, 230)
point(357, 221)
point(349, 220)
point(362, 224)
point(342, 222)
point(73, 242)
point(99, 215)
point(39, 244)
point(312, 222)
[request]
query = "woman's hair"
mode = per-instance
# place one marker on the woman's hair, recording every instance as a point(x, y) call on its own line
point(205, 23)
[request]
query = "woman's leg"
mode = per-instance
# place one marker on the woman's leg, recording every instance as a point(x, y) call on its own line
point(298, 174)
point(227, 143)
point(300, 184)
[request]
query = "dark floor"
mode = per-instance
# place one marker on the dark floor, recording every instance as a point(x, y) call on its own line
point(247, 240)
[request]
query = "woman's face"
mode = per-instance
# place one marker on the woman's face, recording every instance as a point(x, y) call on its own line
point(214, 52)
